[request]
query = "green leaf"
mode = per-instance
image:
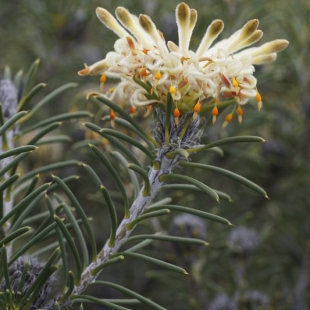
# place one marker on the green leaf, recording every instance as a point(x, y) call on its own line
point(131, 174)
point(143, 217)
point(110, 262)
point(17, 151)
point(58, 91)
point(112, 213)
point(97, 301)
point(167, 238)
point(191, 187)
point(168, 119)
point(45, 273)
point(125, 115)
point(128, 126)
point(231, 140)
point(27, 98)
point(147, 188)
point(14, 235)
point(13, 120)
point(193, 181)
point(8, 182)
point(24, 203)
point(115, 142)
point(227, 173)
point(70, 287)
point(146, 301)
point(30, 76)
point(115, 176)
point(81, 213)
point(48, 168)
point(31, 242)
point(72, 246)
point(58, 118)
point(153, 260)
point(199, 213)
point(5, 267)
point(43, 132)
point(55, 139)
point(130, 140)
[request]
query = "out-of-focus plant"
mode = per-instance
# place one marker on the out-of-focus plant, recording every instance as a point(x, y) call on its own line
point(185, 92)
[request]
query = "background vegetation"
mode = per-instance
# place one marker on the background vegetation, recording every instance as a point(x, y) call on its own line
point(65, 34)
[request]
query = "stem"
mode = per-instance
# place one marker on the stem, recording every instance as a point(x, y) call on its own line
point(138, 206)
point(8, 99)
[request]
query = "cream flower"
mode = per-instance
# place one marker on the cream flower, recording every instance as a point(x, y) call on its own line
point(150, 69)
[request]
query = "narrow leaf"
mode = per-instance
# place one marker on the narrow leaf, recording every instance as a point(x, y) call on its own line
point(148, 215)
point(154, 261)
point(14, 235)
point(131, 293)
point(125, 115)
point(110, 262)
point(58, 91)
point(11, 121)
point(147, 187)
point(72, 246)
point(115, 176)
point(98, 301)
point(199, 213)
point(112, 213)
point(81, 213)
point(193, 181)
point(17, 151)
point(58, 118)
point(230, 140)
point(43, 132)
point(27, 98)
point(229, 174)
point(130, 140)
point(167, 238)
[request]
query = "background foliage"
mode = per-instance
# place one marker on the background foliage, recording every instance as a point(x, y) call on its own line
point(65, 34)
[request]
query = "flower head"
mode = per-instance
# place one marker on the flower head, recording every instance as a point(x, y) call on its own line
point(151, 69)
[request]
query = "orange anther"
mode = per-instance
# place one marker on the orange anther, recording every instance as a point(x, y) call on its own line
point(131, 43)
point(258, 99)
point(239, 111)
point(112, 118)
point(214, 113)
point(176, 114)
point(132, 109)
point(103, 78)
point(229, 117)
point(197, 107)
point(157, 76)
point(145, 51)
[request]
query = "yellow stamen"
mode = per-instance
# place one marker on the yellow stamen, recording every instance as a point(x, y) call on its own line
point(258, 99)
point(103, 79)
point(196, 109)
point(112, 118)
point(228, 119)
point(214, 113)
point(172, 91)
point(239, 112)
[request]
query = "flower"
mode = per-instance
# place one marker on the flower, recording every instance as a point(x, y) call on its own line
point(151, 69)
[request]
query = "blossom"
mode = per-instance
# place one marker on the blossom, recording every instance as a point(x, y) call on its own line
point(151, 70)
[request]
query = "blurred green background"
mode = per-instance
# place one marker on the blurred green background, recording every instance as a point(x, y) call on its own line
point(67, 34)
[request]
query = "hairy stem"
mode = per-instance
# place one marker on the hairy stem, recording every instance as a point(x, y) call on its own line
point(139, 205)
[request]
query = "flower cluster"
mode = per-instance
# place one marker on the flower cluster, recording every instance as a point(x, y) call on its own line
point(151, 69)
